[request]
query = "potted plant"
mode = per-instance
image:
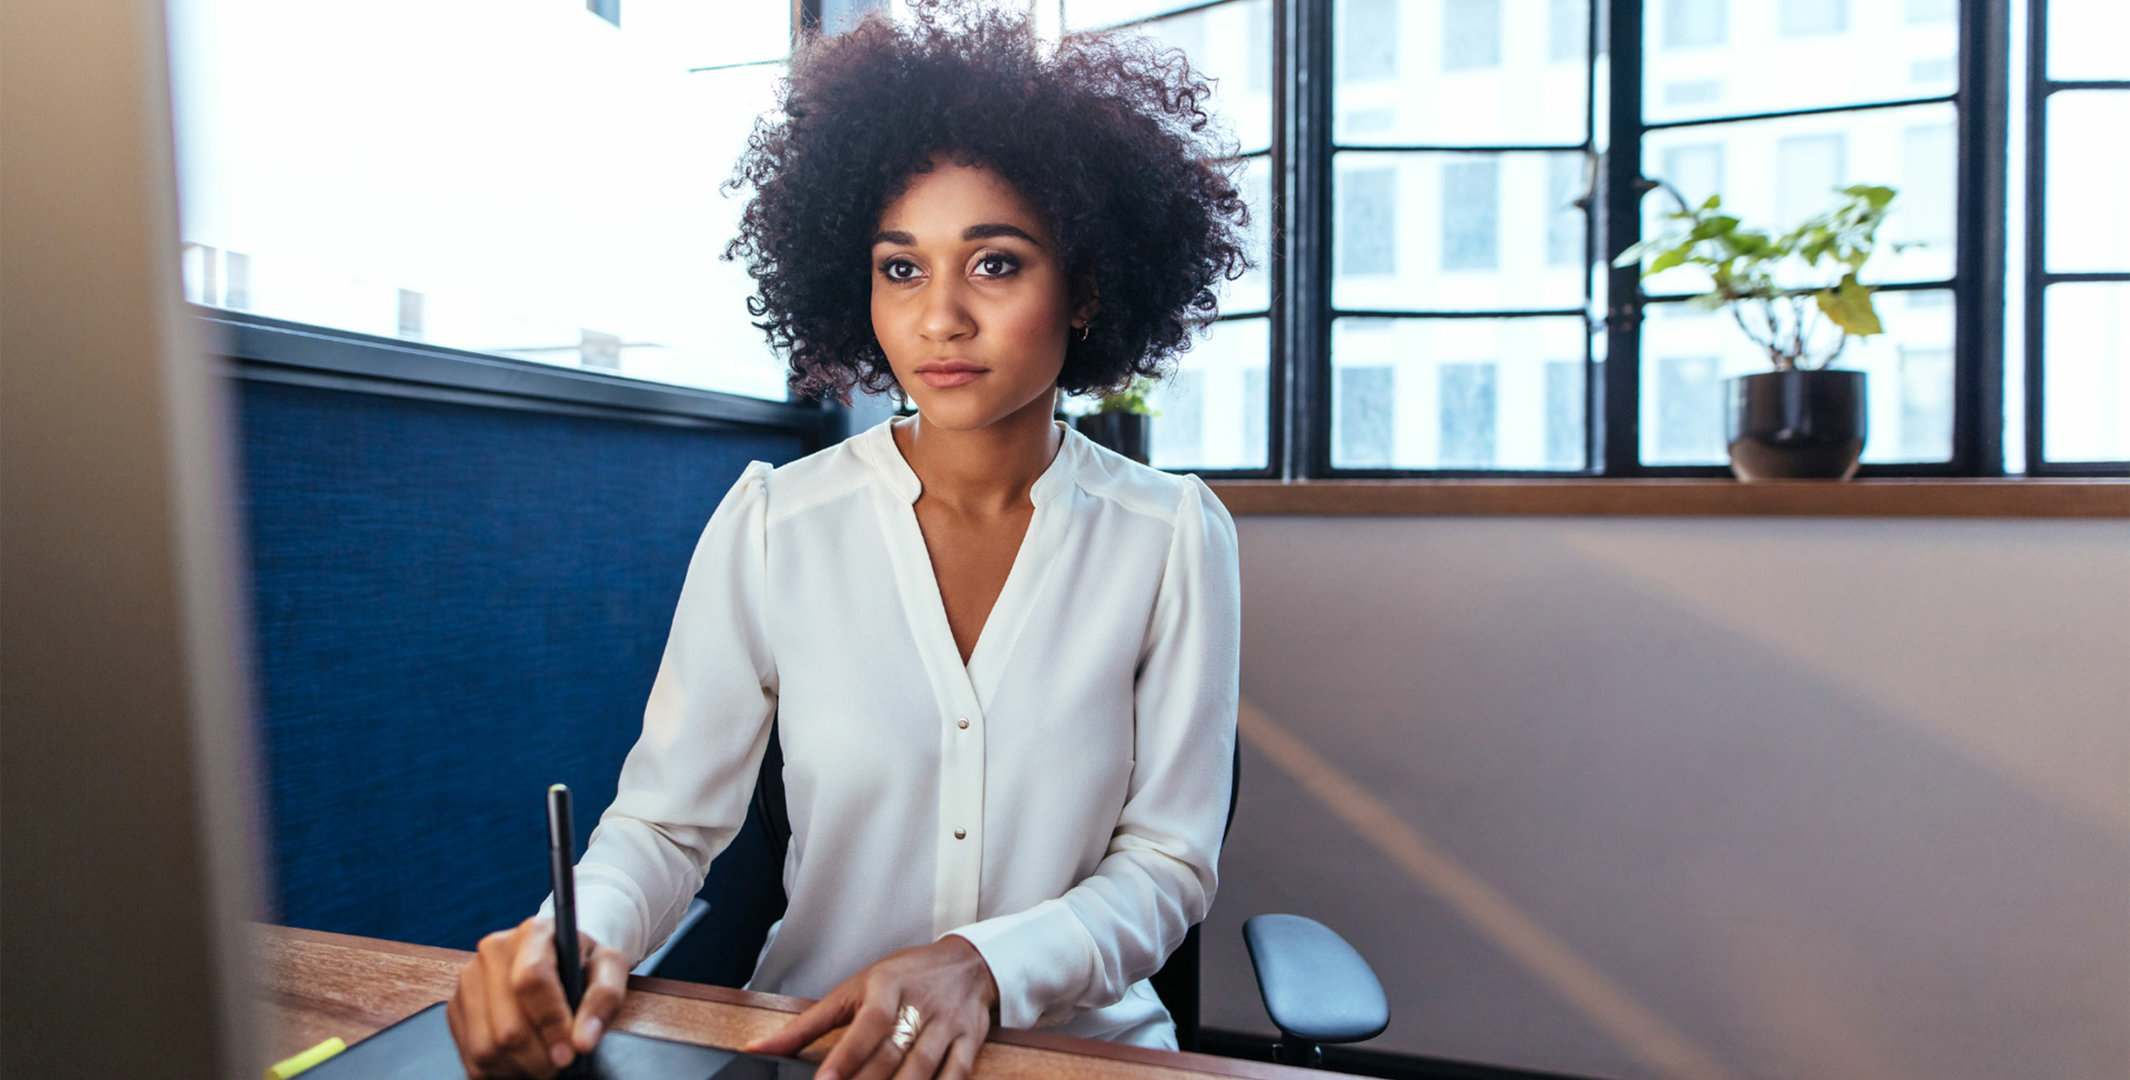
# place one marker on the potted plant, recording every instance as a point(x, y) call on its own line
point(1803, 419)
point(1119, 421)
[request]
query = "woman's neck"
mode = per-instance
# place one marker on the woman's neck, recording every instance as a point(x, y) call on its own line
point(985, 471)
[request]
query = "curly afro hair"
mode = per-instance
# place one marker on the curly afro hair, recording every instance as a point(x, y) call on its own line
point(1105, 136)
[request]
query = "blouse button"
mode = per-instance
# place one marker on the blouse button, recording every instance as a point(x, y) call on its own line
point(960, 834)
point(962, 723)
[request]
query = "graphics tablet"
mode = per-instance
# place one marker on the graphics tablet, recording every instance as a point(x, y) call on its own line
point(420, 1048)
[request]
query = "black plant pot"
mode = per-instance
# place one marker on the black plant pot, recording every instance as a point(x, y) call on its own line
point(1796, 425)
point(1120, 431)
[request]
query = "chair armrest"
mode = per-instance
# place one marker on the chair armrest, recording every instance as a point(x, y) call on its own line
point(1315, 986)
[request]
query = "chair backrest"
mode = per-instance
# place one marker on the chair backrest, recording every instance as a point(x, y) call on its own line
point(745, 891)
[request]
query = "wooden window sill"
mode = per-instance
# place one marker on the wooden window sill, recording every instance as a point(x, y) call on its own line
point(1949, 498)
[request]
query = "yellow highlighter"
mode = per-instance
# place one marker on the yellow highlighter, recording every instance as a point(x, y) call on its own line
point(282, 1070)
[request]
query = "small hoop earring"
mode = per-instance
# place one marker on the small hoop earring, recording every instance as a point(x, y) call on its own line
point(1084, 327)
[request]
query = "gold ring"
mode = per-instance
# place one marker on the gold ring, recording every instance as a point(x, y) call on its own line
point(907, 1021)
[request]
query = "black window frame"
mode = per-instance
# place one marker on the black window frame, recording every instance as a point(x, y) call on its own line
point(1299, 384)
point(1305, 46)
point(2040, 87)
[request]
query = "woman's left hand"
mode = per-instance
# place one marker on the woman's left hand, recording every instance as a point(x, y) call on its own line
point(956, 1000)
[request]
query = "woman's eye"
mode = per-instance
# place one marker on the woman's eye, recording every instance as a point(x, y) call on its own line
point(996, 265)
point(891, 270)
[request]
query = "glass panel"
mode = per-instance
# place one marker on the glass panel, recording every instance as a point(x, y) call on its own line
point(1398, 62)
point(1253, 291)
point(1687, 355)
point(1709, 58)
point(1089, 14)
point(2089, 220)
point(507, 180)
point(1212, 411)
point(2086, 410)
point(1457, 393)
point(1457, 232)
point(2086, 39)
point(1232, 46)
point(1774, 173)
point(1808, 18)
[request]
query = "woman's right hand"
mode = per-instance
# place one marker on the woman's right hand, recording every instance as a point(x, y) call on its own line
point(508, 1014)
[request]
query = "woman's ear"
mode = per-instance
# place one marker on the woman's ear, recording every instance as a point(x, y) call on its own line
point(1085, 294)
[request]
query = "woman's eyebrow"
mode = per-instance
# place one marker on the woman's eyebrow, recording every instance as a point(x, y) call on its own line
point(973, 232)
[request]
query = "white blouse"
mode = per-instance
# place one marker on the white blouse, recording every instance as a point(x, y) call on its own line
point(1059, 801)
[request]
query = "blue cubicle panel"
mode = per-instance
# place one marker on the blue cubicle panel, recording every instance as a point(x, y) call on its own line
point(455, 606)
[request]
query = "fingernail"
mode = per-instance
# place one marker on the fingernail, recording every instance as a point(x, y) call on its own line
point(562, 1053)
point(589, 1031)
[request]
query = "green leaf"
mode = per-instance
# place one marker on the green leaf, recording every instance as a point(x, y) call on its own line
point(1666, 261)
point(1713, 301)
point(1848, 306)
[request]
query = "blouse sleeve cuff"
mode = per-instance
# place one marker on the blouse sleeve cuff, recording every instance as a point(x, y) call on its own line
point(1042, 959)
point(609, 915)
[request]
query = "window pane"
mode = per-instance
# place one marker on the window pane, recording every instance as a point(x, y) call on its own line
point(1713, 58)
point(1252, 291)
point(2088, 218)
point(2086, 39)
point(1927, 12)
point(507, 180)
point(1564, 229)
point(1400, 63)
point(1212, 411)
point(1456, 232)
point(1368, 223)
point(1231, 45)
point(1688, 24)
point(1361, 416)
point(1086, 14)
point(1803, 18)
point(1687, 355)
point(2087, 372)
point(1471, 35)
point(1567, 31)
point(1565, 409)
point(1368, 41)
point(1457, 393)
point(1774, 173)
point(1471, 214)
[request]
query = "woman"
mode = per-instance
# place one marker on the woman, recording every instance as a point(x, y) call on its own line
point(1003, 660)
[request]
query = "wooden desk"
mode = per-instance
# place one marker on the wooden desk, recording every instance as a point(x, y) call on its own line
point(319, 985)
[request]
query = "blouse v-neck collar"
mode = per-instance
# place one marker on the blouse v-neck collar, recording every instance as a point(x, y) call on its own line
point(886, 457)
point(966, 688)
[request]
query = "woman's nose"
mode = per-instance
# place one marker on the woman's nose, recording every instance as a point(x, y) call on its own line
point(946, 313)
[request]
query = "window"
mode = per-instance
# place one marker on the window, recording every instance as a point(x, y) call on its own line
point(1470, 214)
point(1567, 31)
point(1694, 23)
point(1368, 47)
point(1808, 170)
point(1564, 230)
point(1368, 222)
point(1465, 407)
point(1564, 414)
point(1801, 18)
point(1364, 416)
point(410, 314)
point(1471, 34)
point(1466, 309)
point(2077, 280)
point(352, 179)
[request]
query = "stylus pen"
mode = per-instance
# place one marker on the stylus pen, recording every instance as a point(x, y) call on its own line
point(561, 854)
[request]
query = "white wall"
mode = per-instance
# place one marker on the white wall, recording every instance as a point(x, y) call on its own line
point(1755, 798)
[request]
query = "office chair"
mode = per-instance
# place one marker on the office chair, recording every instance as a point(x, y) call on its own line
point(1314, 986)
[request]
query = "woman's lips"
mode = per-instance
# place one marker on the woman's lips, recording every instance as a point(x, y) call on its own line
point(940, 380)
